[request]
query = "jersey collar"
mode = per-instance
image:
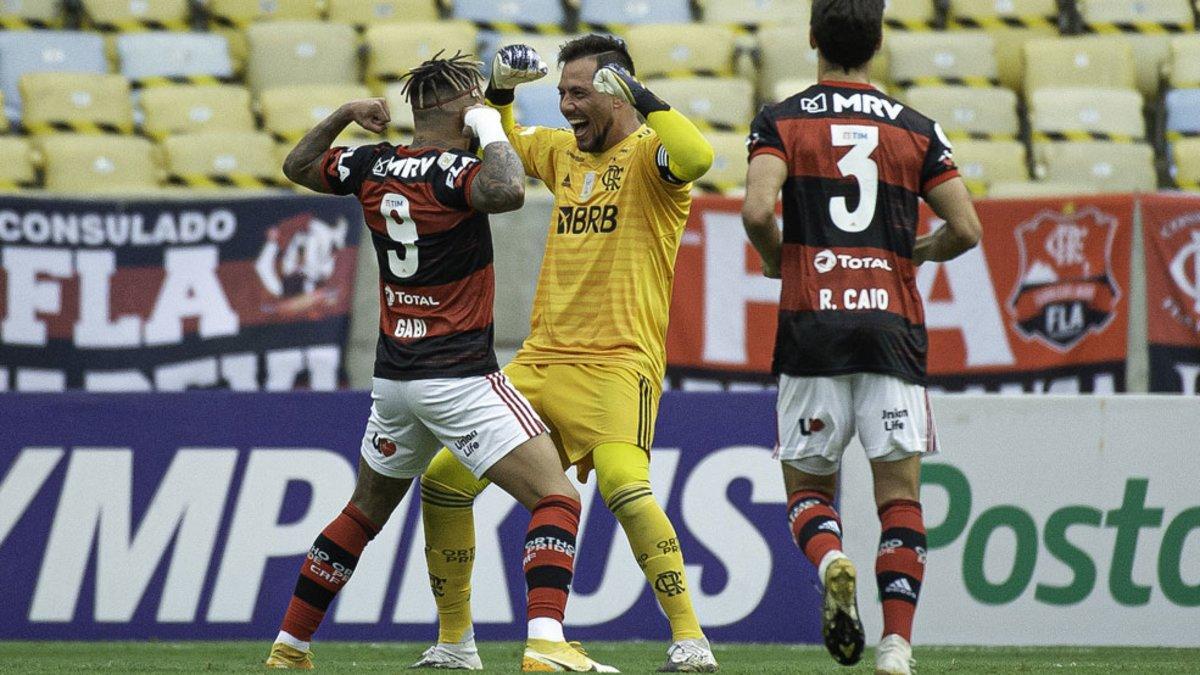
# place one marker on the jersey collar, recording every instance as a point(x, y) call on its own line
point(848, 85)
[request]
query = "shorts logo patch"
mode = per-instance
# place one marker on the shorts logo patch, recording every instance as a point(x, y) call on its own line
point(467, 445)
point(894, 419)
point(811, 426)
point(385, 446)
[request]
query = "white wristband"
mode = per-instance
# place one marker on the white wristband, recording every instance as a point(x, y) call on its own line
point(487, 126)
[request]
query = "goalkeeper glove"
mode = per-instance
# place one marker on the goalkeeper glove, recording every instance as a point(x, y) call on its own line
point(516, 64)
point(616, 81)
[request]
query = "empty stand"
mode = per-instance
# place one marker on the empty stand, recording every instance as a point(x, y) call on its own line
point(149, 59)
point(24, 52)
point(402, 115)
point(1109, 167)
point(16, 171)
point(78, 102)
point(123, 16)
point(77, 163)
point(363, 13)
point(1011, 23)
point(1147, 24)
point(31, 14)
point(538, 106)
point(289, 112)
point(1186, 169)
point(527, 15)
point(1094, 61)
point(784, 55)
point(984, 163)
point(1082, 113)
point(982, 113)
point(681, 50)
point(728, 172)
point(1182, 113)
point(1184, 64)
point(911, 15)
point(755, 13)
point(232, 17)
point(188, 109)
point(612, 16)
point(392, 49)
point(963, 58)
point(724, 104)
point(301, 52)
point(211, 160)
point(1034, 189)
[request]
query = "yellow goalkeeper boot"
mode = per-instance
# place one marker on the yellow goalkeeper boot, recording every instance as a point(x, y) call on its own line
point(286, 657)
point(543, 656)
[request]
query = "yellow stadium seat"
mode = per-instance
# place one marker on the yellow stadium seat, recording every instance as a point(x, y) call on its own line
point(1011, 23)
point(728, 172)
point(79, 163)
point(194, 108)
point(16, 171)
point(751, 13)
point(79, 102)
point(231, 18)
point(289, 112)
point(1092, 61)
point(681, 50)
point(982, 113)
point(910, 15)
point(392, 49)
point(787, 88)
point(982, 163)
point(402, 115)
point(1110, 167)
point(1034, 189)
point(1184, 66)
point(1077, 113)
point(28, 14)
point(113, 16)
point(965, 58)
point(214, 160)
point(784, 55)
point(725, 104)
point(1187, 163)
point(363, 13)
point(300, 52)
point(1146, 24)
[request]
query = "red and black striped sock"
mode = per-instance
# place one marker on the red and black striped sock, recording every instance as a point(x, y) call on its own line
point(816, 528)
point(328, 567)
point(900, 565)
point(550, 556)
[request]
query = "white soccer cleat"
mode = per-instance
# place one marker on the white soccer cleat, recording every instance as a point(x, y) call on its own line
point(894, 656)
point(544, 656)
point(451, 656)
point(690, 656)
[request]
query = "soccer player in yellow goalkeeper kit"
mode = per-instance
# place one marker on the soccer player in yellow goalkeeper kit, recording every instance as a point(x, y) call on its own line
point(594, 361)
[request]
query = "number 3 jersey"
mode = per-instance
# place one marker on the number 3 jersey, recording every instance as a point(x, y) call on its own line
point(436, 284)
point(857, 162)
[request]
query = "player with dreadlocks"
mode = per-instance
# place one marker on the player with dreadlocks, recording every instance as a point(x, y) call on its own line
point(436, 381)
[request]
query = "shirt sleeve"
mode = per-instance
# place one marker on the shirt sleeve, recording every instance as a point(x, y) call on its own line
point(764, 136)
point(535, 146)
point(344, 169)
point(452, 177)
point(939, 164)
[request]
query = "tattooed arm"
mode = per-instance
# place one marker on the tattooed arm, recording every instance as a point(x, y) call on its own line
point(500, 184)
point(303, 163)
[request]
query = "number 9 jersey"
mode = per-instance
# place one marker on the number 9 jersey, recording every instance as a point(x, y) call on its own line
point(857, 163)
point(436, 283)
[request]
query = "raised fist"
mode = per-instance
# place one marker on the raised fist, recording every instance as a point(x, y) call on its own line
point(516, 64)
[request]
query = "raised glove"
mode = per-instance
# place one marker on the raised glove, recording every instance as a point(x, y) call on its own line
point(516, 64)
point(616, 81)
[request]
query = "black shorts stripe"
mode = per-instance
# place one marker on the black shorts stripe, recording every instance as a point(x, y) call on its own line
point(313, 593)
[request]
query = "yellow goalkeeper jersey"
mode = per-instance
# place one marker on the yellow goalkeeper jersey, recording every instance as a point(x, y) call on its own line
point(604, 292)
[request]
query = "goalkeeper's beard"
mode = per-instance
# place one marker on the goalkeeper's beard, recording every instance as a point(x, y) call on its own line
point(594, 137)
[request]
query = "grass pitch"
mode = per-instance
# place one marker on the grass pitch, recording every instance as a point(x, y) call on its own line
point(630, 657)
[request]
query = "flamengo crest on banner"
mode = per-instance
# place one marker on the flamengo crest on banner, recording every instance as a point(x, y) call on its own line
point(1183, 236)
point(1065, 288)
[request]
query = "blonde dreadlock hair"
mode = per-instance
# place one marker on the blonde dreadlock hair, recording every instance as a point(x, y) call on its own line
point(458, 74)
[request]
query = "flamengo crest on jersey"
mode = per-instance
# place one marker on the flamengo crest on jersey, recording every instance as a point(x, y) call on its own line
point(858, 162)
point(434, 252)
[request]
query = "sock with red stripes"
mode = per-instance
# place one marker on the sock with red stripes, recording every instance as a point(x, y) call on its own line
point(816, 528)
point(900, 565)
point(550, 564)
point(328, 567)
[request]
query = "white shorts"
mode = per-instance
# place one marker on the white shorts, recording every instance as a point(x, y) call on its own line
point(817, 417)
point(480, 419)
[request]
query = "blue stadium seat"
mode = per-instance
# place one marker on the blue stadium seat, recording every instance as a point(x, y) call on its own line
point(599, 14)
point(537, 105)
point(41, 51)
point(1183, 112)
point(510, 15)
point(147, 57)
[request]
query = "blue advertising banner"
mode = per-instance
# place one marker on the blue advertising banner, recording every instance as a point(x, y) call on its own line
point(167, 295)
point(186, 516)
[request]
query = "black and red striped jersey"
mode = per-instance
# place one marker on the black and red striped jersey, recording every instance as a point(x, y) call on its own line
point(858, 161)
point(436, 284)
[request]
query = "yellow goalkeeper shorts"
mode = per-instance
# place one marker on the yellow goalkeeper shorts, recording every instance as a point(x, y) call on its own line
point(588, 404)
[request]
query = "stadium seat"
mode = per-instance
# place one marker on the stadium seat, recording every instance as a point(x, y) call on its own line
point(300, 52)
point(392, 49)
point(1035, 189)
point(1011, 23)
point(1080, 113)
point(402, 115)
point(124, 16)
point(212, 160)
point(982, 113)
point(1145, 24)
point(1110, 167)
point(537, 106)
point(77, 163)
point(1184, 65)
point(724, 104)
point(1186, 169)
point(681, 50)
point(24, 52)
point(962, 58)
point(526, 15)
point(363, 13)
point(16, 171)
point(1183, 113)
point(232, 17)
point(910, 15)
point(728, 172)
point(76, 102)
point(30, 14)
point(189, 109)
point(609, 16)
point(755, 13)
point(982, 163)
point(784, 55)
point(149, 59)
point(1093, 61)
point(289, 112)
point(787, 88)
point(545, 45)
